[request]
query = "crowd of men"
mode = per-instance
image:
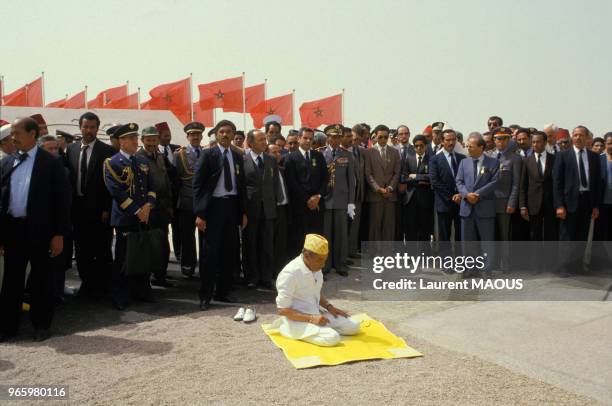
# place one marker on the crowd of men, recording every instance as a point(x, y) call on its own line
point(252, 198)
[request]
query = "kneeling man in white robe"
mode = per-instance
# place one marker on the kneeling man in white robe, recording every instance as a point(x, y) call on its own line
point(306, 314)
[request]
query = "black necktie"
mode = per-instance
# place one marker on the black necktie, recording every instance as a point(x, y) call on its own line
point(419, 163)
point(84, 168)
point(166, 151)
point(333, 154)
point(260, 164)
point(355, 152)
point(307, 156)
point(197, 150)
point(499, 155)
point(540, 170)
point(455, 165)
point(475, 168)
point(583, 176)
point(226, 172)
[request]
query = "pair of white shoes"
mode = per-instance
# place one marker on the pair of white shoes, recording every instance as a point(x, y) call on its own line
point(247, 315)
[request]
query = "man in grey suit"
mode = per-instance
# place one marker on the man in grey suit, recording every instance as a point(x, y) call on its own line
point(185, 161)
point(506, 190)
point(339, 199)
point(350, 142)
point(382, 168)
point(263, 192)
point(476, 181)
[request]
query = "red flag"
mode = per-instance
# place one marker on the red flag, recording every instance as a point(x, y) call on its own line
point(58, 103)
point(223, 93)
point(281, 105)
point(205, 117)
point(29, 95)
point(253, 96)
point(129, 102)
point(107, 96)
point(322, 111)
point(175, 96)
point(77, 101)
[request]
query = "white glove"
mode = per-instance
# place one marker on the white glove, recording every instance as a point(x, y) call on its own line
point(351, 211)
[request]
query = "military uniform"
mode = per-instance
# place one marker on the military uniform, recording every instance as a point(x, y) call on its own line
point(130, 183)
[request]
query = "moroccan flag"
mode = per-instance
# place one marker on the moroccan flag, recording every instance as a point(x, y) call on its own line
point(205, 117)
point(77, 101)
point(107, 96)
point(223, 93)
point(253, 96)
point(58, 103)
point(281, 105)
point(29, 95)
point(322, 111)
point(175, 96)
point(129, 102)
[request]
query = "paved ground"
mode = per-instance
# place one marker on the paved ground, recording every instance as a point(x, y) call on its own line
point(169, 352)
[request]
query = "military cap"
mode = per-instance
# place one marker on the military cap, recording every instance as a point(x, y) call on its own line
point(111, 131)
point(126, 130)
point(437, 126)
point(334, 129)
point(65, 135)
point(501, 131)
point(194, 127)
point(150, 132)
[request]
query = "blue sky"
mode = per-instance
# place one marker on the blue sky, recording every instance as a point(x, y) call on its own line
point(532, 62)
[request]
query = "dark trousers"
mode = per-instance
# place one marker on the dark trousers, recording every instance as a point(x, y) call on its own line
point(259, 245)
point(305, 222)
point(122, 287)
point(575, 227)
point(603, 224)
point(417, 219)
point(336, 232)
point(543, 226)
point(448, 220)
point(520, 228)
point(219, 248)
point(159, 220)
point(20, 249)
point(189, 258)
point(92, 242)
point(281, 234)
point(176, 235)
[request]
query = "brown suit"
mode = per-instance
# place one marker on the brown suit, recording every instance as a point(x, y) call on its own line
point(382, 174)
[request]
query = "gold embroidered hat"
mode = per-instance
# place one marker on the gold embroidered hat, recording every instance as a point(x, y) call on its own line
point(316, 243)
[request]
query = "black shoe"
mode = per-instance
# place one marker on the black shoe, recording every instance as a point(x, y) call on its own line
point(266, 285)
point(162, 282)
point(342, 273)
point(187, 272)
point(121, 306)
point(41, 334)
point(204, 305)
point(350, 262)
point(250, 286)
point(225, 299)
point(4, 337)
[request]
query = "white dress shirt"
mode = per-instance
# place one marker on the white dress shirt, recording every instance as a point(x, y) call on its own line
point(220, 187)
point(163, 150)
point(20, 185)
point(447, 155)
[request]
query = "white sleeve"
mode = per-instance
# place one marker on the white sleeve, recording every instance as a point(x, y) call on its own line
point(285, 285)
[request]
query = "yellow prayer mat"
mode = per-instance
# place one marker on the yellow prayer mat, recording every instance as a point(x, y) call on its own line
point(373, 341)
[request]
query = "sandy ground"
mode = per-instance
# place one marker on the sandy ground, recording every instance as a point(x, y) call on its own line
point(172, 353)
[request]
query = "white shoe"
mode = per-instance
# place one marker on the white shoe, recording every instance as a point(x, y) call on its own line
point(249, 315)
point(239, 314)
point(68, 291)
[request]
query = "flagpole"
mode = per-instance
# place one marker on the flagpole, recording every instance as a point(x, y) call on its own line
point(191, 94)
point(86, 103)
point(293, 109)
point(138, 98)
point(342, 108)
point(43, 88)
point(243, 103)
point(1, 94)
point(65, 100)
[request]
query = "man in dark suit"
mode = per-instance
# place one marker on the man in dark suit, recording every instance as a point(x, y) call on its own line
point(603, 226)
point(404, 148)
point(91, 207)
point(355, 227)
point(417, 199)
point(536, 191)
point(443, 168)
point(307, 177)
point(219, 203)
point(263, 192)
point(576, 187)
point(34, 218)
point(282, 222)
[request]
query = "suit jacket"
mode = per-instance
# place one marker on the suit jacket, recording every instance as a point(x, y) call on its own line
point(341, 183)
point(507, 190)
point(381, 174)
point(97, 198)
point(566, 180)
point(536, 192)
point(443, 181)
point(422, 175)
point(484, 184)
point(185, 162)
point(261, 187)
point(604, 174)
point(207, 173)
point(49, 199)
point(304, 182)
point(360, 180)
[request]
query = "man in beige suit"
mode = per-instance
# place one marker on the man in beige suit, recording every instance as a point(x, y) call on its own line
point(382, 169)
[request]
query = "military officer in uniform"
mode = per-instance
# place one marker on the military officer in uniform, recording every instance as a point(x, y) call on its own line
point(339, 199)
point(130, 183)
point(185, 160)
